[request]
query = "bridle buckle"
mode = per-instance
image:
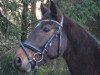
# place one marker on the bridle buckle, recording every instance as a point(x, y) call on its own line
point(35, 55)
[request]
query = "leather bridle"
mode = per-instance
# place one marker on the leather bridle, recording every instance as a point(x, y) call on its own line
point(42, 50)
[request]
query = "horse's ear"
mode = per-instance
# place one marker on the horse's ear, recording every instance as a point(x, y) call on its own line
point(40, 10)
point(44, 9)
point(55, 12)
point(53, 9)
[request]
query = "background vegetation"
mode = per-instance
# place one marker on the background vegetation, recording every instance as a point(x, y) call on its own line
point(17, 19)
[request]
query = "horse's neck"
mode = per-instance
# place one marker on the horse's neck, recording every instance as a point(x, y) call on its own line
point(78, 36)
point(82, 48)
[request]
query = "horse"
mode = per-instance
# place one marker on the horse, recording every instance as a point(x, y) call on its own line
point(54, 35)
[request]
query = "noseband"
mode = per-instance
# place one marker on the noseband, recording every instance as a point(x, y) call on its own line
point(42, 50)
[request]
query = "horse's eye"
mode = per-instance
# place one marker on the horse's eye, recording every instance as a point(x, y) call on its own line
point(46, 29)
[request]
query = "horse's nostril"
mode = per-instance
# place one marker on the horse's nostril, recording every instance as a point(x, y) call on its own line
point(18, 61)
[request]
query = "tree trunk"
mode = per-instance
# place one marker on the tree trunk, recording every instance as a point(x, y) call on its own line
point(24, 25)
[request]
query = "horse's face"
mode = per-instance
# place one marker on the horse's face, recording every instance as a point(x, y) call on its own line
point(43, 43)
point(41, 35)
point(38, 38)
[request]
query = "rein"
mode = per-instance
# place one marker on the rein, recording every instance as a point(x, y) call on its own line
point(42, 50)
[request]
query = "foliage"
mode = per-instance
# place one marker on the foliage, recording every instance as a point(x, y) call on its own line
point(13, 11)
point(10, 19)
point(9, 30)
point(81, 12)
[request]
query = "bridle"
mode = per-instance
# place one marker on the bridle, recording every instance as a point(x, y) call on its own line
point(42, 50)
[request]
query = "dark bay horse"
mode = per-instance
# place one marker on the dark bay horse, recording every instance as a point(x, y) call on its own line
point(57, 35)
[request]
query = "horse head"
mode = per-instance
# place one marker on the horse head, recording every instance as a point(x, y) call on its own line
point(46, 41)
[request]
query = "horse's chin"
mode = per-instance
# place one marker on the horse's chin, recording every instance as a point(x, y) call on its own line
point(24, 68)
point(28, 70)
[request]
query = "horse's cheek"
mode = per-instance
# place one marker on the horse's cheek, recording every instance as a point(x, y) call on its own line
point(52, 52)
